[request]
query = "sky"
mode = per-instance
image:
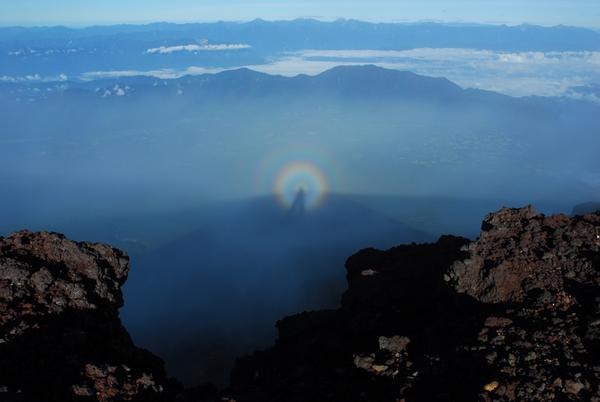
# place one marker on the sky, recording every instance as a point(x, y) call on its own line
point(89, 12)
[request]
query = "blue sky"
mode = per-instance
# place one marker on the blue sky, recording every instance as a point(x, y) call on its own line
point(86, 12)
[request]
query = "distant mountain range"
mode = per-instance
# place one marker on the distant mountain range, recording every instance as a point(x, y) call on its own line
point(431, 125)
point(314, 34)
point(52, 51)
point(361, 81)
point(364, 81)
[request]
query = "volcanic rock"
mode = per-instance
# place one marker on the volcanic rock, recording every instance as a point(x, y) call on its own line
point(511, 316)
point(60, 334)
point(521, 253)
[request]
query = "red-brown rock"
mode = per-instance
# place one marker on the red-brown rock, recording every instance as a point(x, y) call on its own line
point(60, 335)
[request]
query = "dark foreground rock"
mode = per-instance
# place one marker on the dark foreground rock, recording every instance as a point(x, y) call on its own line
point(513, 316)
point(60, 335)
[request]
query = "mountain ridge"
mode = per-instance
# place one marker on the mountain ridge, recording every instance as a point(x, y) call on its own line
point(372, 80)
point(309, 23)
point(510, 316)
point(51, 52)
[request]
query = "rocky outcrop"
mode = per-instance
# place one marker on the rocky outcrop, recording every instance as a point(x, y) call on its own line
point(60, 334)
point(520, 253)
point(512, 316)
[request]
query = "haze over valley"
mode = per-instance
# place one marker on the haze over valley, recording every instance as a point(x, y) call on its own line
point(190, 146)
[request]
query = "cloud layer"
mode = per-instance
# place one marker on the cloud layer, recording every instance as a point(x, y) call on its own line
point(164, 74)
point(516, 74)
point(33, 78)
point(196, 48)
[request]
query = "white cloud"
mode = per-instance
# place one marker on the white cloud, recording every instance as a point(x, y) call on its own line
point(165, 74)
point(196, 48)
point(41, 52)
point(292, 66)
point(517, 74)
point(33, 78)
point(26, 78)
point(119, 91)
point(457, 55)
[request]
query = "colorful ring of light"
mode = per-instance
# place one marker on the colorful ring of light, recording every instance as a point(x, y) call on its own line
point(301, 175)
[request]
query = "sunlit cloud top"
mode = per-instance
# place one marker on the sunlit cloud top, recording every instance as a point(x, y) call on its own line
point(510, 73)
point(202, 47)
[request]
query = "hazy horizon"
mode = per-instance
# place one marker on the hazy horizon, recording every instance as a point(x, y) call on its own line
point(582, 13)
point(78, 25)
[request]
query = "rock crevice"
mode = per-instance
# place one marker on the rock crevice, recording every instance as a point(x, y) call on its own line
point(511, 316)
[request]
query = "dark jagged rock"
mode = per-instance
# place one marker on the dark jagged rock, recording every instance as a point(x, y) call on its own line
point(60, 335)
point(520, 253)
point(512, 316)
